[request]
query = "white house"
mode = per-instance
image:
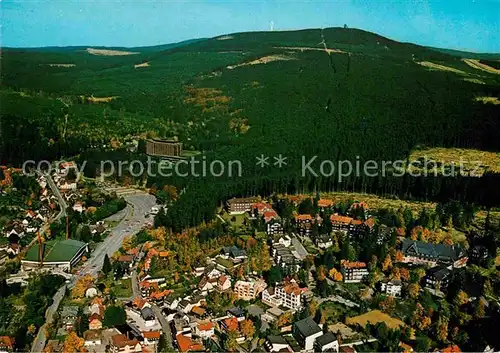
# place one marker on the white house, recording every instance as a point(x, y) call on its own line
point(91, 292)
point(285, 240)
point(324, 241)
point(269, 297)
point(287, 294)
point(78, 207)
point(67, 186)
point(205, 329)
point(171, 302)
point(392, 287)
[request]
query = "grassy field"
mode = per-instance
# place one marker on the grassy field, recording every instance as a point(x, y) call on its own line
point(480, 66)
point(123, 288)
point(224, 262)
point(376, 202)
point(474, 161)
point(488, 100)
point(235, 220)
point(373, 317)
point(333, 311)
point(438, 67)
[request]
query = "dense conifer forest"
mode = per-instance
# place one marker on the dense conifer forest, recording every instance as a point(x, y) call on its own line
point(338, 94)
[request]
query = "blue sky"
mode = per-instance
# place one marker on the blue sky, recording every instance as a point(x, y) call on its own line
point(459, 24)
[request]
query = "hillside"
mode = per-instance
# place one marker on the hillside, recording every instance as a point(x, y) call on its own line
point(334, 93)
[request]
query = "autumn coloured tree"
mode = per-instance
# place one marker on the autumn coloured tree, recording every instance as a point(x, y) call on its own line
point(335, 275)
point(127, 243)
point(321, 273)
point(413, 290)
point(81, 286)
point(387, 264)
point(247, 328)
point(388, 305)
point(284, 319)
point(442, 329)
point(461, 298)
point(73, 343)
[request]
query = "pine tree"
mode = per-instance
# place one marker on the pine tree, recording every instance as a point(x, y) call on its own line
point(106, 265)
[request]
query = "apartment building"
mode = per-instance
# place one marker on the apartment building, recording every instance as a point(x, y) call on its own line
point(164, 148)
point(249, 290)
point(287, 294)
point(241, 205)
point(353, 272)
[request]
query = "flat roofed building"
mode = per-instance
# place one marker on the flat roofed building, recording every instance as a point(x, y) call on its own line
point(163, 148)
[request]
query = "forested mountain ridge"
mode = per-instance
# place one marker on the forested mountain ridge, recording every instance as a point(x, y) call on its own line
point(334, 93)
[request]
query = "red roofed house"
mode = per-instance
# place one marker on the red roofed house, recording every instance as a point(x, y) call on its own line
point(151, 337)
point(341, 223)
point(159, 295)
point(230, 324)
point(270, 215)
point(186, 344)
point(303, 218)
point(6, 344)
point(140, 303)
point(224, 283)
point(260, 208)
point(205, 329)
point(95, 322)
point(325, 203)
point(450, 349)
point(127, 259)
point(122, 344)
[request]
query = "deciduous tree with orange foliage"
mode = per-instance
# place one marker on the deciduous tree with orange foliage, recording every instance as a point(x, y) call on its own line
point(442, 329)
point(127, 243)
point(399, 256)
point(321, 273)
point(413, 290)
point(284, 319)
point(335, 275)
point(387, 264)
point(388, 305)
point(171, 191)
point(404, 274)
point(81, 286)
point(73, 343)
point(247, 328)
point(158, 234)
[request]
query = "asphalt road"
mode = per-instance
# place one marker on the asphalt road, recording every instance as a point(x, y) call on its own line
point(55, 190)
point(132, 222)
point(39, 342)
